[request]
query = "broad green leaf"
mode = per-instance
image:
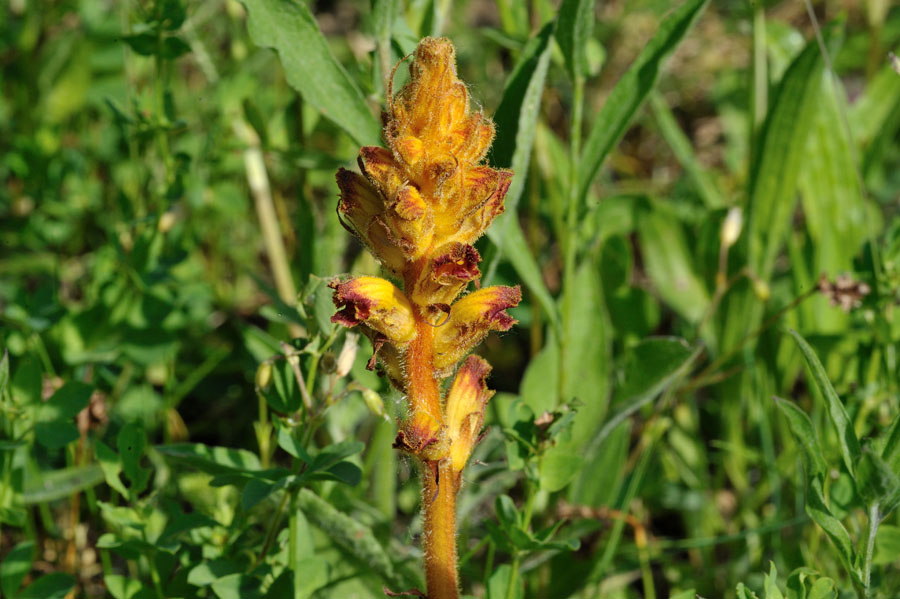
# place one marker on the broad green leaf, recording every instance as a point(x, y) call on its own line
point(603, 472)
point(310, 67)
point(54, 426)
point(836, 411)
point(499, 582)
point(670, 265)
point(773, 182)
point(515, 119)
point(310, 570)
point(207, 572)
point(630, 92)
point(887, 545)
point(573, 30)
point(213, 460)
point(50, 586)
point(26, 382)
point(558, 470)
point(540, 383)
point(350, 534)
point(122, 587)
point(586, 359)
point(237, 586)
point(802, 428)
point(50, 486)
point(15, 567)
point(833, 203)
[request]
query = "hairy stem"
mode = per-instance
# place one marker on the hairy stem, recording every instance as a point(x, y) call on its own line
point(439, 497)
point(439, 482)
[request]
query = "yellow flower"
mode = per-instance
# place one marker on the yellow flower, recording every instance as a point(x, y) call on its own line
point(378, 304)
point(471, 319)
point(464, 414)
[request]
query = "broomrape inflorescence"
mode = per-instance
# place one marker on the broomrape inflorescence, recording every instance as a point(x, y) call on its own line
point(418, 207)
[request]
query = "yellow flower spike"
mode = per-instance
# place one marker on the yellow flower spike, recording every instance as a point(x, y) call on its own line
point(471, 319)
point(464, 413)
point(378, 304)
point(418, 206)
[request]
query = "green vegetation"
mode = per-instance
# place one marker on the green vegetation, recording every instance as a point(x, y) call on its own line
point(701, 396)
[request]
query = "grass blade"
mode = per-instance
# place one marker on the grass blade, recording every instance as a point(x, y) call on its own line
point(310, 67)
point(631, 91)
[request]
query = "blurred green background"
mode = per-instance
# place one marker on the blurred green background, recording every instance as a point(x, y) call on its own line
point(134, 259)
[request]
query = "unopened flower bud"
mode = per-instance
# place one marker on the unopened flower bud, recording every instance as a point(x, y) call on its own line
point(374, 402)
point(263, 376)
point(731, 228)
point(348, 355)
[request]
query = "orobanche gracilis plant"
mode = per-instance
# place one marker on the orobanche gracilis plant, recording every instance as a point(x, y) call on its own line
point(418, 207)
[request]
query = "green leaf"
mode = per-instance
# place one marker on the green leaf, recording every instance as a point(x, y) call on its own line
point(573, 30)
point(670, 265)
point(50, 486)
point(4, 375)
point(54, 427)
point(15, 567)
point(111, 466)
point(540, 383)
point(122, 587)
point(779, 161)
point(310, 67)
point(887, 545)
point(50, 586)
point(586, 361)
point(833, 203)
point(821, 515)
point(558, 470)
point(498, 584)
point(26, 382)
point(802, 428)
point(131, 442)
point(876, 482)
point(603, 472)
point(771, 585)
point(516, 119)
point(237, 586)
point(836, 411)
point(213, 460)
point(348, 533)
point(630, 92)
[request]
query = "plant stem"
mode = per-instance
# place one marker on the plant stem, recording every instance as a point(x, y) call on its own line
point(570, 242)
point(874, 519)
point(258, 180)
point(439, 480)
point(439, 497)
